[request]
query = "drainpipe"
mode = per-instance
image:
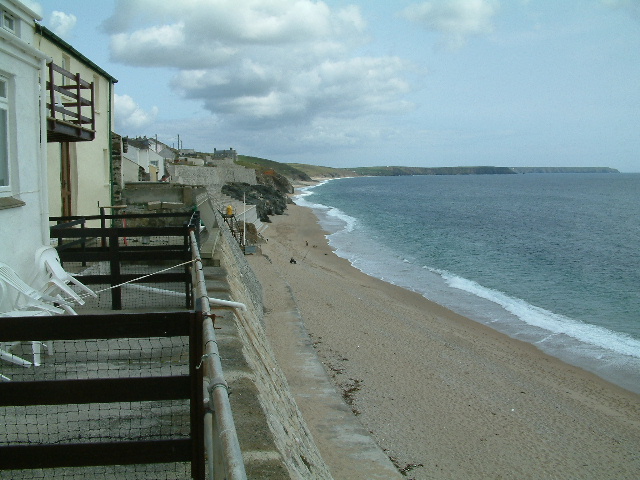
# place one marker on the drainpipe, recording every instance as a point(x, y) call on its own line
point(44, 167)
point(170, 293)
point(111, 197)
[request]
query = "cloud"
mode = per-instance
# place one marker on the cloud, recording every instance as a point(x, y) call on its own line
point(339, 88)
point(130, 116)
point(62, 23)
point(261, 63)
point(632, 7)
point(204, 33)
point(455, 19)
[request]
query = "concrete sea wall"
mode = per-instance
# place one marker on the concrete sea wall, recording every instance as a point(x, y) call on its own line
point(286, 424)
point(219, 175)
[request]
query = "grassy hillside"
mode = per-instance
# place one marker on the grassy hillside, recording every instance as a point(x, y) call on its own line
point(297, 171)
point(263, 165)
point(398, 171)
point(390, 171)
point(328, 172)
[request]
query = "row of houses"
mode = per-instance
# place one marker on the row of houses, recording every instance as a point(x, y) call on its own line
point(54, 134)
point(58, 155)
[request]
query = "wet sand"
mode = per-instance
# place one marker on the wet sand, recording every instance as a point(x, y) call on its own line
point(443, 396)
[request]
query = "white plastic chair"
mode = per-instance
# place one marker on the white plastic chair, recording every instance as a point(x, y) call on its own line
point(48, 261)
point(5, 347)
point(32, 306)
point(28, 301)
point(29, 296)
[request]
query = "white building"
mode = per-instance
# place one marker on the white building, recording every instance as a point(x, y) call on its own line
point(24, 225)
point(140, 154)
point(79, 149)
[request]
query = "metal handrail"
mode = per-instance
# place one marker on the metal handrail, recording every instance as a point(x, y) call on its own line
point(224, 456)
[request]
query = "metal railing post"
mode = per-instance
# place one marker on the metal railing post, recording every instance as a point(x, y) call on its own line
point(225, 449)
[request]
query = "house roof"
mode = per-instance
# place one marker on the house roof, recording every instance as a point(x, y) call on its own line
point(139, 143)
point(52, 37)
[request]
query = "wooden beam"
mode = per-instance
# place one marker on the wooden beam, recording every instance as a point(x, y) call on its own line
point(79, 327)
point(18, 457)
point(94, 390)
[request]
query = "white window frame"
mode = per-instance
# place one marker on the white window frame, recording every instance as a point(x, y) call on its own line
point(5, 133)
point(10, 23)
point(96, 93)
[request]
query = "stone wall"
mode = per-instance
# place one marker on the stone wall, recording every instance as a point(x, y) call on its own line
point(117, 178)
point(145, 192)
point(195, 175)
point(290, 432)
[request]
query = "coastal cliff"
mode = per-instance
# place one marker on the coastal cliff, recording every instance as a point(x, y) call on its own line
point(564, 170)
point(400, 171)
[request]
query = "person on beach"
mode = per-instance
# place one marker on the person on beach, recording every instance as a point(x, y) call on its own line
point(293, 260)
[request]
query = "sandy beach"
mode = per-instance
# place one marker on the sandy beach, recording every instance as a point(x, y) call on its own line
point(443, 396)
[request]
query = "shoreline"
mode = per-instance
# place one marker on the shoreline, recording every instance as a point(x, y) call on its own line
point(606, 353)
point(444, 396)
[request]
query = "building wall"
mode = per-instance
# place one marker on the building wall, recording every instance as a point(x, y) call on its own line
point(130, 170)
point(23, 212)
point(90, 161)
point(147, 159)
point(194, 175)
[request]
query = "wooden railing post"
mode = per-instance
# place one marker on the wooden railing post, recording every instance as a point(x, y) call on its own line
point(196, 350)
point(93, 107)
point(84, 243)
point(52, 95)
point(114, 266)
point(78, 100)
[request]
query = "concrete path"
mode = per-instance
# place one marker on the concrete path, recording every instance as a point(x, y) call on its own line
point(346, 447)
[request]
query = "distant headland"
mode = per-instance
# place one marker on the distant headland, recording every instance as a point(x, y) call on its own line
point(305, 172)
point(564, 170)
point(330, 172)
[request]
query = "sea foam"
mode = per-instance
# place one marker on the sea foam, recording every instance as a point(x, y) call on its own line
point(552, 322)
point(613, 355)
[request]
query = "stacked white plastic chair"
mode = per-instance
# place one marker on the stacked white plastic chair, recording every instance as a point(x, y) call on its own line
point(53, 295)
point(18, 299)
point(57, 279)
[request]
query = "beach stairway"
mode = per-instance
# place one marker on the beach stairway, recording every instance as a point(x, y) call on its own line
point(261, 457)
point(210, 236)
point(209, 240)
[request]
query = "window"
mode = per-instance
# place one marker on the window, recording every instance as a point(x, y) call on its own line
point(96, 92)
point(66, 65)
point(4, 134)
point(9, 23)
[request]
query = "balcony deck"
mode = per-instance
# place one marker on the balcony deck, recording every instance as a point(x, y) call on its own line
point(70, 107)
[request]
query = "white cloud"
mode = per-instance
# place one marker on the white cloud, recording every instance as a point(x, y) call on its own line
point(205, 33)
point(632, 7)
point(347, 88)
point(130, 116)
point(455, 19)
point(261, 63)
point(62, 23)
point(249, 21)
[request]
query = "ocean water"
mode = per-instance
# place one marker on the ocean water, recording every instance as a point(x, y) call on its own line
point(551, 259)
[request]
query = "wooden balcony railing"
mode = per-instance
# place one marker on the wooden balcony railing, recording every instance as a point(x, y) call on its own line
point(70, 107)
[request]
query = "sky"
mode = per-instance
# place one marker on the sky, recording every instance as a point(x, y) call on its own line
point(372, 82)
